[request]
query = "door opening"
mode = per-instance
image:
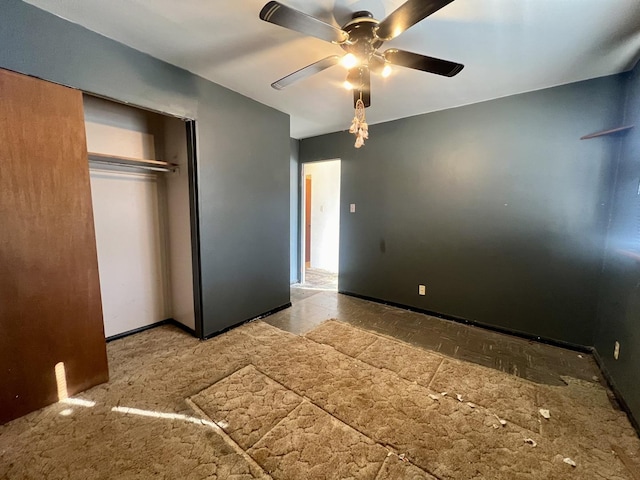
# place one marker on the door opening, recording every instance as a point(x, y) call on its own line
point(321, 221)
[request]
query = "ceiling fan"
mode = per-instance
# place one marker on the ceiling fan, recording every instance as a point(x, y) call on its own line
point(360, 38)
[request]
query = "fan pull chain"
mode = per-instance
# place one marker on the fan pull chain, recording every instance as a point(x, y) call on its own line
point(359, 125)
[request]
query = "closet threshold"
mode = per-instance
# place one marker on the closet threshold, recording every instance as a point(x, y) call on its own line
point(147, 164)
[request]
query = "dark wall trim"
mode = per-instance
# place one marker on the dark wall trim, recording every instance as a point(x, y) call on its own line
point(194, 213)
point(266, 314)
point(611, 384)
point(507, 331)
point(166, 321)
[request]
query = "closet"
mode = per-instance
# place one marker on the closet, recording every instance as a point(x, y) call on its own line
point(97, 210)
point(139, 172)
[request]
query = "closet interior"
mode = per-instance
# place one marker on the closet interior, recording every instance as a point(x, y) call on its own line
point(139, 171)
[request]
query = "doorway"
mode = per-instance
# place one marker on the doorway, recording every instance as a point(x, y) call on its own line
point(321, 224)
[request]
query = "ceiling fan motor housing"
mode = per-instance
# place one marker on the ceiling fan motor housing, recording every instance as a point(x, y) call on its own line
point(362, 40)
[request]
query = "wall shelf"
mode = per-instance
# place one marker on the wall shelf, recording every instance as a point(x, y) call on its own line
point(607, 132)
point(156, 165)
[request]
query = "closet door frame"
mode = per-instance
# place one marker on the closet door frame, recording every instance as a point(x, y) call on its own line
point(194, 214)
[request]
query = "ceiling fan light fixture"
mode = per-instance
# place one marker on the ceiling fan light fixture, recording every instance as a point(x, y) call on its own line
point(386, 70)
point(349, 61)
point(347, 85)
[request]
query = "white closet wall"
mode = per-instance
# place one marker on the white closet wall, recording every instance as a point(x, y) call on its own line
point(128, 237)
point(117, 129)
point(179, 223)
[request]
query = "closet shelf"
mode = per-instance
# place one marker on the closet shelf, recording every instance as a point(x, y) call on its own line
point(132, 162)
point(607, 132)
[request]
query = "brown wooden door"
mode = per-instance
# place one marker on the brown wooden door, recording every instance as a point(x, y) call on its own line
point(50, 308)
point(307, 221)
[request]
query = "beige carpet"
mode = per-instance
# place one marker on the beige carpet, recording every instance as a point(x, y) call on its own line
point(258, 402)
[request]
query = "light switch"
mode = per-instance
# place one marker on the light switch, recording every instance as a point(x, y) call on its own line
point(352, 208)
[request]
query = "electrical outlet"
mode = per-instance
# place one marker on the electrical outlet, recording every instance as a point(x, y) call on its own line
point(616, 350)
point(422, 290)
point(352, 208)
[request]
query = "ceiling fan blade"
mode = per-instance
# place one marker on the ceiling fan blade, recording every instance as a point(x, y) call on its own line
point(406, 16)
point(422, 62)
point(363, 89)
point(305, 72)
point(279, 14)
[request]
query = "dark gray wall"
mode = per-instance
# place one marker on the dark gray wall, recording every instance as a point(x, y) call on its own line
point(619, 312)
point(294, 233)
point(497, 207)
point(243, 185)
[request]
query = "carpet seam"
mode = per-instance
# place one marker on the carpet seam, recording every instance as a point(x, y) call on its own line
point(435, 373)
point(430, 351)
point(220, 380)
point(335, 320)
point(442, 357)
point(428, 387)
point(263, 374)
point(386, 337)
point(365, 349)
point(626, 461)
point(282, 419)
point(227, 439)
point(524, 427)
point(310, 401)
point(377, 477)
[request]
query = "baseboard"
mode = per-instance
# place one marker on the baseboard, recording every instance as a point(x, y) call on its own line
point(181, 326)
point(174, 322)
point(612, 385)
point(166, 321)
point(253, 319)
point(516, 333)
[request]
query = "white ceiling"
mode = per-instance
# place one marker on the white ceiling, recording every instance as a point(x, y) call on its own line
point(507, 47)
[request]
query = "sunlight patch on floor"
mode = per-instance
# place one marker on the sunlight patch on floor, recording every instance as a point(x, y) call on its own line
point(169, 416)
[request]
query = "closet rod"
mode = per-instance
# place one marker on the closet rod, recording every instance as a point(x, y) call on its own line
point(132, 162)
point(122, 164)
